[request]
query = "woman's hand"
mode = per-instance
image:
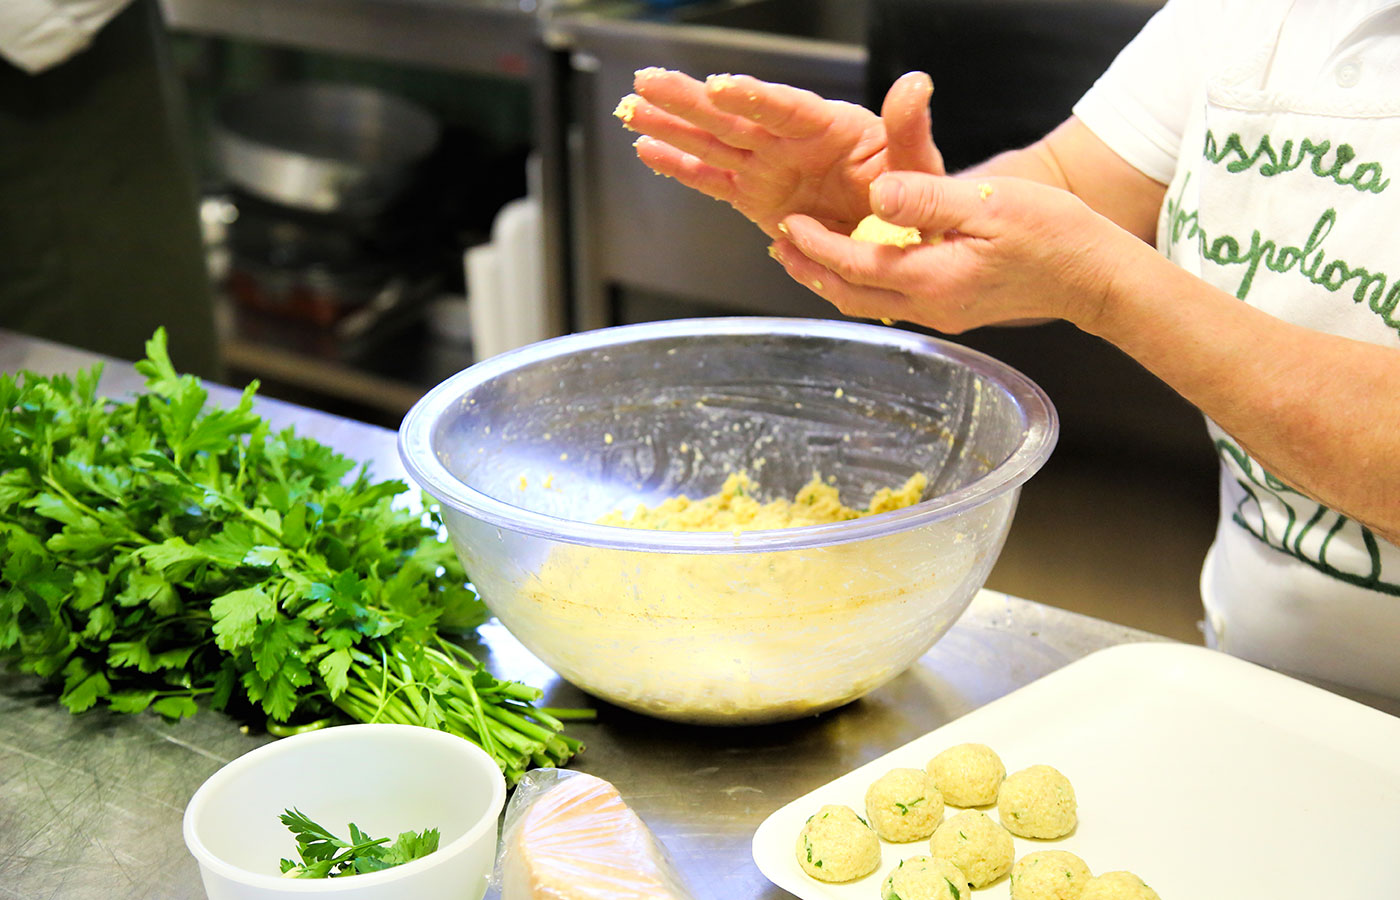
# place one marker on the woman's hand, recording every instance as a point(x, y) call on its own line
point(771, 150)
point(1011, 250)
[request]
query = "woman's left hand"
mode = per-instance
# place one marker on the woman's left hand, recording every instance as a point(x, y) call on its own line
point(1012, 250)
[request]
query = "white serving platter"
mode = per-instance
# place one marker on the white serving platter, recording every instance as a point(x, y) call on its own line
point(1210, 777)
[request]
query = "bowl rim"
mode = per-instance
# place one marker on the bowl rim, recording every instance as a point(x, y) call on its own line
point(427, 469)
point(255, 757)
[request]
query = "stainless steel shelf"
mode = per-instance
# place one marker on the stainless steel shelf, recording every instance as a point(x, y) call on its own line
point(494, 37)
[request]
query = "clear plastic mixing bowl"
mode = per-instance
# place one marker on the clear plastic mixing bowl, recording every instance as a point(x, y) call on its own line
point(527, 450)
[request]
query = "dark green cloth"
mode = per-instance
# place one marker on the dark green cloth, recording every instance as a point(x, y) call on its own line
point(99, 227)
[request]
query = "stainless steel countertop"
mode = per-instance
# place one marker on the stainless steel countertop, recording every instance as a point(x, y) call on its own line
point(91, 805)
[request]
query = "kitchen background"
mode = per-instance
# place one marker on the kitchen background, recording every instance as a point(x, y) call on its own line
point(515, 209)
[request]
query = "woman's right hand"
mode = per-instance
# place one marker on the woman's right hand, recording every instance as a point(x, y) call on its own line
point(770, 150)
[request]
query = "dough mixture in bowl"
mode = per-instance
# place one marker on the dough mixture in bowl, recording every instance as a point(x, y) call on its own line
point(730, 638)
point(736, 507)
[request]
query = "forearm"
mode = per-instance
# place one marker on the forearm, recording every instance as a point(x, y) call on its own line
point(1035, 163)
point(1309, 406)
point(1072, 158)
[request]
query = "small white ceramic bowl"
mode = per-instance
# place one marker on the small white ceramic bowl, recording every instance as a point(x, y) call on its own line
point(386, 779)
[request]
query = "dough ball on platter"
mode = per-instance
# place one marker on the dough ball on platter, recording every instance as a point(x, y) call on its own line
point(973, 842)
point(967, 775)
point(1049, 875)
point(836, 845)
point(1037, 803)
point(877, 231)
point(903, 805)
point(924, 878)
point(1117, 886)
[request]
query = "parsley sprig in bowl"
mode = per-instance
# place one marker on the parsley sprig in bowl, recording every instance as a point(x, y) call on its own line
point(322, 854)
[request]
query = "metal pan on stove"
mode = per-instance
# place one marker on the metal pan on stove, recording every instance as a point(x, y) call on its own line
point(324, 148)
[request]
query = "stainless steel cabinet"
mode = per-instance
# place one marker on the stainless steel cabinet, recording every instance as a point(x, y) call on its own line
point(638, 233)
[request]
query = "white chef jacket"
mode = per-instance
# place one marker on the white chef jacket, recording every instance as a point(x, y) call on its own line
point(1276, 126)
point(39, 34)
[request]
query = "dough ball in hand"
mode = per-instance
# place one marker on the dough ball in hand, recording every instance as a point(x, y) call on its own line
point(876, 230)
point(1037, 803)
point(1118, 886)
point(836, 845)
point(967, 775)
point(924, 878)
point(903, 805)
point(1049, 875)
point(977, 845)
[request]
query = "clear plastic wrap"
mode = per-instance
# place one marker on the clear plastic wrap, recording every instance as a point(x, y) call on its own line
point(569, 836)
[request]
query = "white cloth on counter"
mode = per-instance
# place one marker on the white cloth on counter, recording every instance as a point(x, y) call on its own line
point(39, 34)
point(1276, 126)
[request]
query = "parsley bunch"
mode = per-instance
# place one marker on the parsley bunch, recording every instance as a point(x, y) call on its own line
point(157, 554)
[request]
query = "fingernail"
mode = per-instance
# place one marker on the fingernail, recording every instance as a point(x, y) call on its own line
point(889, 196)
point(921, 80)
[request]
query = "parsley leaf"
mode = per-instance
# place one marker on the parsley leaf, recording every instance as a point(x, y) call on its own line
point(236, 615)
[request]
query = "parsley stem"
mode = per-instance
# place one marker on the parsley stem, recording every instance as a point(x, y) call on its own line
point(491, 733)
point(362, 711)
point(567, 715)
point(544, 718)
point(278, 729)
point(529, 729)
point(479, 720)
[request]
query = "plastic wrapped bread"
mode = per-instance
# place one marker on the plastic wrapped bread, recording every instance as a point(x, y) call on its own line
point(569, 836)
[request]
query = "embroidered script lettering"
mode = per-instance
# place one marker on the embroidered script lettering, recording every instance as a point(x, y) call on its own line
point(1367, 177)
point(1374, 288)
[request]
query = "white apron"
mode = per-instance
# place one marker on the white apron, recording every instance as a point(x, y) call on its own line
point(1286, 201)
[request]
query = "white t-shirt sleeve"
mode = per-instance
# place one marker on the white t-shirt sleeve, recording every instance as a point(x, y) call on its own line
point(39, 34)
point(1140, 105)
